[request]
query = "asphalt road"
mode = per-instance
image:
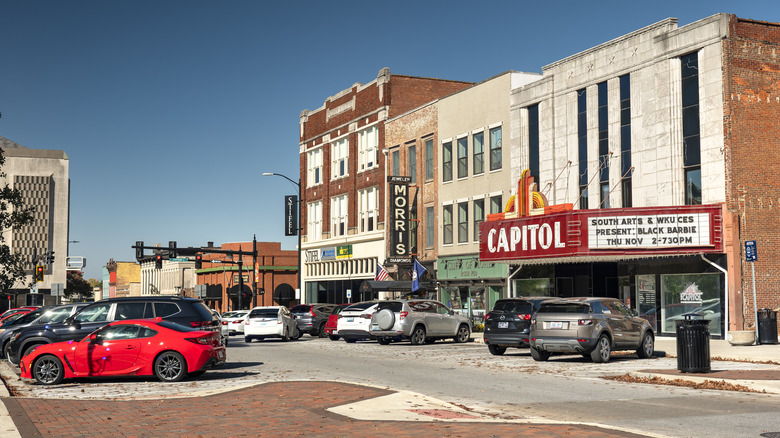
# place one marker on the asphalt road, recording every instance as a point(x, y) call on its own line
point(513, 386)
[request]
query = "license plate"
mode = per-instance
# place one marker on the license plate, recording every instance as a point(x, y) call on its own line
point(374, 327)
point(221, 354)
point(504, 324)
point(350, 319)
point(556, 325)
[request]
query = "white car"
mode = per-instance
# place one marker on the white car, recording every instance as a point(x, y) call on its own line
point(222, 327)
point(234, 321)
point(355, 321)
point(270, 322)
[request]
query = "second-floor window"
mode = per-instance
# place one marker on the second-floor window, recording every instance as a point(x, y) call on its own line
point(429, 227)
point(368, 148)
point(429, 159)
point(463, 222)
point(396, 163)
point(314, 221)
point(314, 167)
point(411, 154)
point(479, 216)
point(339, 153)
point(368, 200)
point(338, 216)
point(447, 225)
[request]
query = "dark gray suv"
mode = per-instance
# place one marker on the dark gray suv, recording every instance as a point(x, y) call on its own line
point(189, 312)
point(311, 318)
point(509, 323)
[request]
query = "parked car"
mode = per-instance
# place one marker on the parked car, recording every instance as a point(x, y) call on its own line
point(190, 312)
point(16, 310)
point(420, 321)
point(311, 318)
point(235, 321)
point(589, 326)
point(509, 323)
point(270, 322)
point(40, 316)
point(331, 325)
point(354, 321)
point(223, 329)
point(139, 347)
point(13, 316)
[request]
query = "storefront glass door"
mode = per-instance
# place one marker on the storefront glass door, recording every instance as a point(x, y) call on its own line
point(691, 293)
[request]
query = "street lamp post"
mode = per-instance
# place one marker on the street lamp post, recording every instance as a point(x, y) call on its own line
point(300, 222)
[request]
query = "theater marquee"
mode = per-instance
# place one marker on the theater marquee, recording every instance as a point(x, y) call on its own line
point(666, 230)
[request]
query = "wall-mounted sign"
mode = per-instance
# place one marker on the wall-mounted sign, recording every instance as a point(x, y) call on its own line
point(751, 251)
point(328, 253)
point(344, 252)
point(691, 294)
point(649, 230)
point(290, 215)
point(245, 278)
point(399, 216)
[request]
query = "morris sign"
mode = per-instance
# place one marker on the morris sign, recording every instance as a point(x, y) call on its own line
point(668, 230)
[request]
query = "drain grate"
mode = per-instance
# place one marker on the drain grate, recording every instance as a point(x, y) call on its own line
point(444, 414)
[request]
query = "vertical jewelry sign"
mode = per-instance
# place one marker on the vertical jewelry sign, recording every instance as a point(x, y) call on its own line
point(399, 216)
point(290, 215)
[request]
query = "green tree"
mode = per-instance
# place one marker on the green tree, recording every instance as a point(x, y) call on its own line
point(13, 216)
point(78, 289)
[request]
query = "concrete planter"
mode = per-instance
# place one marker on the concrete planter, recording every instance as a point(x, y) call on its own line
point(742, 337)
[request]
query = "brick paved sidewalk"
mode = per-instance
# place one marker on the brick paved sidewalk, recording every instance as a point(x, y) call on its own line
point(272, 409)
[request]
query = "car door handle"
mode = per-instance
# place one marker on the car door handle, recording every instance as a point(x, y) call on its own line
point(130, 347)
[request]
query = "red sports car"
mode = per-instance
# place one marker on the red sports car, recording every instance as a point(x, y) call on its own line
point(136, 347)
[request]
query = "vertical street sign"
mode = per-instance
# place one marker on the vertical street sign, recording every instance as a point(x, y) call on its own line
point(399, 219)
point(751, 255)
point(290, 215)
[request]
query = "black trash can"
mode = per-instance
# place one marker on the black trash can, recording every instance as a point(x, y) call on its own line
point(767, 326)
point(693, 344)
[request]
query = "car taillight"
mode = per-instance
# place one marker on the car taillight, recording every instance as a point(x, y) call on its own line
point(585, 322)
point(487, 316)
point(224, 323)
point(203, 340)
point(239, 321)
point(278, 319)
point(365, 316)
point(403, 315)
point(311, 312)
point(197, 324)
point(525, 317)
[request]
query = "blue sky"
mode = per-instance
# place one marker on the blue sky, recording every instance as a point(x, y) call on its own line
point(171, 110)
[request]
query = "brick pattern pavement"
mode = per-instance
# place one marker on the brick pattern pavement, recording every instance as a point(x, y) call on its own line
point(272, 409)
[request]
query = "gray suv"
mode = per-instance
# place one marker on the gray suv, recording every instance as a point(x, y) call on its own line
point(420, 321)
point(589, 326)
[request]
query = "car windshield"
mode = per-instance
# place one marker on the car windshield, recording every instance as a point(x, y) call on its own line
point(359, 306)
point(30, 317)
point(301, 308)
point(394, 306)
point(564, 308)
point(264, 313)
point(513, 306)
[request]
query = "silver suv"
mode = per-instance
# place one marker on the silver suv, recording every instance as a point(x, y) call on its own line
point(420, 321)
point(589, 326)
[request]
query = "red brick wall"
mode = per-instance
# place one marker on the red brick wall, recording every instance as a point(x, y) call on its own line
point(401, 94)
point(751, 57)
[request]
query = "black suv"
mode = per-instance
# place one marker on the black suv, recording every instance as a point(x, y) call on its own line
point(311, 318)
point(509, 323)
point(190, 312)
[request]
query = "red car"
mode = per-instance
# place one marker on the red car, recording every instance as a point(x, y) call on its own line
point(331, 324)
point(136, 347)
point(13, 314)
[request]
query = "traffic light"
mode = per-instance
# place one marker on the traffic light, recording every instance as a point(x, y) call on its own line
point(158, 261)
point(198, 261)
point(39, 273)
point(172, 249)
point(50, 258)
point(139, 250)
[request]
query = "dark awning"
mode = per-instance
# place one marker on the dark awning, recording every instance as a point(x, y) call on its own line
point(394, 286)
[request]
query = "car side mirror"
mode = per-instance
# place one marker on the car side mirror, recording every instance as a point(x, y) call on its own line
point(75, 324)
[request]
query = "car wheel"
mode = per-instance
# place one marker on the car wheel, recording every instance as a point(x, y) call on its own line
point(384, 341)
point(7, 351)
point(350, 340)
point(603, 350)
point(418, 335)
point(496, 350)
point(647, 348)
point(48, 370)
point(247, 339)
point(170, 366)
point(333, 337)
point(297, 333)
point(463, 334)
point(539, 355)
point(321, 331)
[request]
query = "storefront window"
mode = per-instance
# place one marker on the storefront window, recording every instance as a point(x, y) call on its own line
point(470, 302)
point(532, 287)
point(691, 293)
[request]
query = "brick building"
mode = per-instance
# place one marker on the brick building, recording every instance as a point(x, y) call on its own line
point(275, 274)
point(343, 172)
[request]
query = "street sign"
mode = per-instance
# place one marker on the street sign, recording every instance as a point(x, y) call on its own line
point(57, 289)
point(178, 259)
point(73, 263)
point(751, 251)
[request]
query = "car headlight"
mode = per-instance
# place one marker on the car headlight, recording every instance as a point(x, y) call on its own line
point(15, 337)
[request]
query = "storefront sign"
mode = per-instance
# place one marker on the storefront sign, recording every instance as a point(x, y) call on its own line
point(344, 252)
point(469, 268)
point(691, 295)
point(328, 253)
point(663, 230)
point(290, 215)
point(399, 216)
point(649, 231)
